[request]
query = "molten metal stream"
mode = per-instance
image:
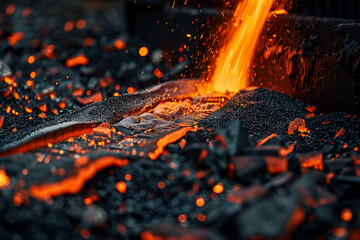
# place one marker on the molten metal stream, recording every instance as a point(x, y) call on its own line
point(231, 70)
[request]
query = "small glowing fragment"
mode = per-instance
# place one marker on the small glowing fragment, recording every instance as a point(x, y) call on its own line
point(131, 90)
point(182, 218)
point(2, 120)
point(88, 42)
point(26, 12)
point(85, 233)
point(15, 37)
point(218, 188)
point(297, 125)
point(55, 111)
point(127, 177)
point(143, 51)
point(161, 185)
point(96, 97)
point(121, 187)
point(158, 73)
point(33, 74)
point(69, 25)
point(311, 109)
point(346, 215)
point(201, 217)
point(80, 59)
point(120, 44)
point(28, 110)
point(43, 107)
point(9, 80)
point(200, 202)
point(62, 105)
point(341, 131)
point(80, 24)
point(31, 59)
point(121, 228)
point(4, 179)
point(10, 9)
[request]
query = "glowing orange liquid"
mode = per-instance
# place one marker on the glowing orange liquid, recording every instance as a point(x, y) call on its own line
point(231, 68)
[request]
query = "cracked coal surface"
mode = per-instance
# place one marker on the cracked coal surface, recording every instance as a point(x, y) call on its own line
point(260, 165)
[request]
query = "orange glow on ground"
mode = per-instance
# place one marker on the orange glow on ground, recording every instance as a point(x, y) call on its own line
point(120, 44)
point(54, 137)
point(182, 218)
point(143, 51)
point(69, 26)
point(121, 187)
point(218, 188)
point(80, 24)
point(33, 74)
point(80, 59)
point(131, 90)
point(201, 217)
point(127, 177)
point(341, 131)
point(161, 185)
point(96, 97)
point(164, 141)
point(75, 183)
point(158, 73)
point(28, 110)
point(10, 9)
point(85, 233)
point(200, 202)
point(31, 59)
point(231, 68)
point(4, 179)
point(346, 215)
point(43, 107)
point(15, 37)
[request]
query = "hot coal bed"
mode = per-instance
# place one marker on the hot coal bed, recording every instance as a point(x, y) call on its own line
point(99, 142)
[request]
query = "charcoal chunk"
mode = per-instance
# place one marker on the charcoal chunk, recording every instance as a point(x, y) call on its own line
point(4, 69)
point(235, 136)
point(271, 218)
point(193, 151)
point(248, 166)
point(264, 150)
point(335, 165)
point(247, 195)
point(220, 213)
point(305, 189)
point(217, 160)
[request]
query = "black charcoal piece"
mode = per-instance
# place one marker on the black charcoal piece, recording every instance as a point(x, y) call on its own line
point(248, 166)
point(235, 136)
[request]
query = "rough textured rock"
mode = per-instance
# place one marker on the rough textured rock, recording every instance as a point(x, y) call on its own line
point(314, 59)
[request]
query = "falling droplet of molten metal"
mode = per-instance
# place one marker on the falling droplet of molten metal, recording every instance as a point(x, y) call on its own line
point(231, 70)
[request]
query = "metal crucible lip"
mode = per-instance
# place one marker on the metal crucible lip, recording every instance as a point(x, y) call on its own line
point(117, 109)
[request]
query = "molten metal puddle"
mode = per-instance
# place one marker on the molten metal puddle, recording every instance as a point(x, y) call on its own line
point(67, 165)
